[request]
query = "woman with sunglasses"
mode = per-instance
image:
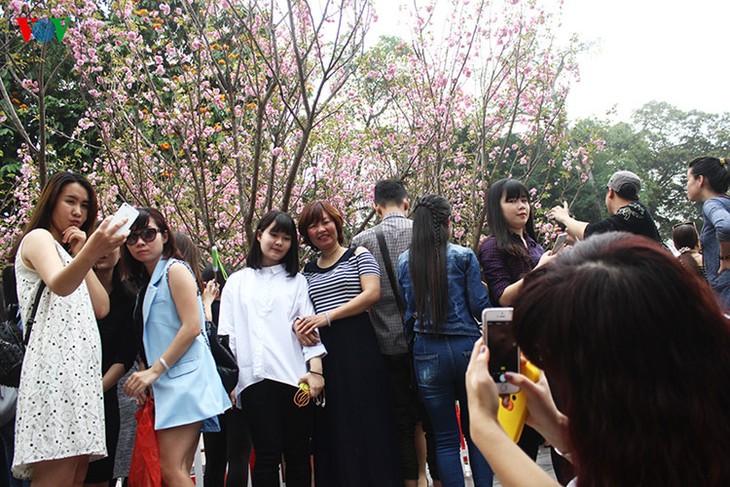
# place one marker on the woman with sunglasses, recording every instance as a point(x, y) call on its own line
point(60, 413)
point(180, 370)
point(708, 179)
point(687, 242)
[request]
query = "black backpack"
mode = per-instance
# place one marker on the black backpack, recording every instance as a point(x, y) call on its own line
point(12, 342)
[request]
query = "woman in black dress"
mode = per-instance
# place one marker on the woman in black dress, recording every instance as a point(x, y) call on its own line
point(354, 436)
point(118, 350)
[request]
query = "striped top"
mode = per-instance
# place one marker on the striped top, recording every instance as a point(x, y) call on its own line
point(334, 286)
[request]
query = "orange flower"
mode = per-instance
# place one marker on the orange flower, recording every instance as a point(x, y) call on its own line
point(22, 106)
point(165, 146)
point(251, 105)
point(141, 12)
point(203, 109)
point(221, 61)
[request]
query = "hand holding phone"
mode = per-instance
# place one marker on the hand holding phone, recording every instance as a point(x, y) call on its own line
point(560, 243)
point(125, 211)
point(513, 408)
point(504, 355)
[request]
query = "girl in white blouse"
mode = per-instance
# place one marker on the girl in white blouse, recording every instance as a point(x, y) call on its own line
point(258, 309)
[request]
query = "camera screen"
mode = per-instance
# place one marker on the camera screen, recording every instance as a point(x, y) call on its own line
point(503, 352)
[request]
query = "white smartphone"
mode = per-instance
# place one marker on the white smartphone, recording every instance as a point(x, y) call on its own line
point(504, 354)
point(560, 242)
point(125, 211)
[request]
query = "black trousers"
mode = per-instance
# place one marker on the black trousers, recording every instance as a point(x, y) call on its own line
point(408, 410)
point(278, 426)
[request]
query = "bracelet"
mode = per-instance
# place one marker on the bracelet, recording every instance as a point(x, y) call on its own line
point(327, 315)
point(725, 257)
point(316, 373)
point(164, 364)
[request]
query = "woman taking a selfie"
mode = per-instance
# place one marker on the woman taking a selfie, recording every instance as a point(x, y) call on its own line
point(444, 296)
point(181, 373)
point(60, 411)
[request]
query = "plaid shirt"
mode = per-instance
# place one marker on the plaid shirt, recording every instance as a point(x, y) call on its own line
point(387, 319)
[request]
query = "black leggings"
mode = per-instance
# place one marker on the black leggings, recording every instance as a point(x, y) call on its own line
point(232, 446)
point(278, 427)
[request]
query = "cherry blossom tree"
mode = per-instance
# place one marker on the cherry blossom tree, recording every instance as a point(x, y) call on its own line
point(216, 112)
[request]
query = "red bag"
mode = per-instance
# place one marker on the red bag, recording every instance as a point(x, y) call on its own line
point(144, 470)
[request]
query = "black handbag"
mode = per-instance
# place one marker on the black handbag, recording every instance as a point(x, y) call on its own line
point(12, 343)
point(225, 362)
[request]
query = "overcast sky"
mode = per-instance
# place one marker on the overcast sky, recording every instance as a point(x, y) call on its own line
point(665, 50)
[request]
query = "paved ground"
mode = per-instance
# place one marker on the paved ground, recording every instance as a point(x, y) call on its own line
point(543, 459)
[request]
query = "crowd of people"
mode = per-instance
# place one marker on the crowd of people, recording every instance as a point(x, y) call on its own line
point(376, 347)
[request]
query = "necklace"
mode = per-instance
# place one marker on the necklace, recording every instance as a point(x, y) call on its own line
point(327, 261)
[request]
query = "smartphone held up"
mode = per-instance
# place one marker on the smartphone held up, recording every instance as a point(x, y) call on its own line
point(125, 211)
point(504, 354)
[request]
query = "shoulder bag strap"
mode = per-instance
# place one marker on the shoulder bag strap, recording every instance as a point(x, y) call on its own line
point(31, 319)
point(389, 268)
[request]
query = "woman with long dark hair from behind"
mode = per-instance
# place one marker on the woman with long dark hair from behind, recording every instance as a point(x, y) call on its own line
point(444, 297)
point(708, 179)
point(61, 376)
point(181, 373)
point(639, 354)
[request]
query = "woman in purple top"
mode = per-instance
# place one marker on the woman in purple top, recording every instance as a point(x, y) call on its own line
point(507, 254)
point(510, 251)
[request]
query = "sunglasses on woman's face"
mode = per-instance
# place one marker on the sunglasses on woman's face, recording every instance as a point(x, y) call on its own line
point(147, 235)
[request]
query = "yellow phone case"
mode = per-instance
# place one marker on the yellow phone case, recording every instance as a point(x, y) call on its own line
point(512, 417)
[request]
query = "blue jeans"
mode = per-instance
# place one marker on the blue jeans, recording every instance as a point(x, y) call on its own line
point(440, 363)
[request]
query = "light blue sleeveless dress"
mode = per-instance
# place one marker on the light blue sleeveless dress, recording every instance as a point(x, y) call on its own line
point(191, 390)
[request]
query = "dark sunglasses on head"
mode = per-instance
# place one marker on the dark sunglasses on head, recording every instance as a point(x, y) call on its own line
point(683, 223)
point(148, 235)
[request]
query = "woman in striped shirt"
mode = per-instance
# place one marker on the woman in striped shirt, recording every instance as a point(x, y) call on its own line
point(354, 436)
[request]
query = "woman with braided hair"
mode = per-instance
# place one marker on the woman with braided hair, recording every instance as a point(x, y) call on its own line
point(444, 296)
point(708, 180)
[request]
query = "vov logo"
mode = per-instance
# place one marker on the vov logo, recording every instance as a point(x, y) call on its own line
point(43, 29)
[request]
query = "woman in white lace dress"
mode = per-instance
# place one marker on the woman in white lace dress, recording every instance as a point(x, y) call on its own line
point(60, 415)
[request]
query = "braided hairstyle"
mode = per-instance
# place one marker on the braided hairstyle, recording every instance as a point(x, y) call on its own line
point(427, 260)
point(714, 169)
